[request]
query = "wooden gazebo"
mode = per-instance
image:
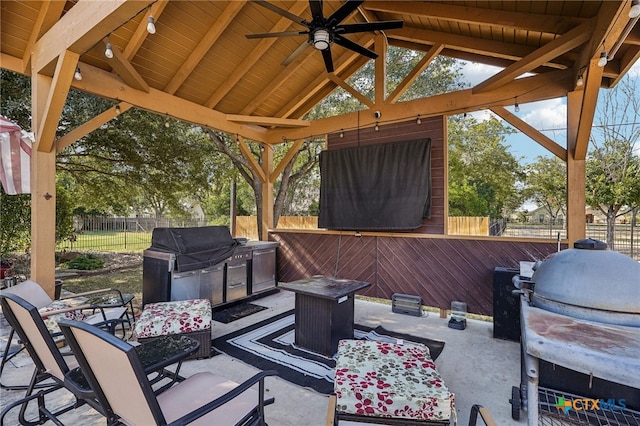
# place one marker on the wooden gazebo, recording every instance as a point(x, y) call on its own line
point(200, 67)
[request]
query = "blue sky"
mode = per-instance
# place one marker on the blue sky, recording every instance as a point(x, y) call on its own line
point(549, 116)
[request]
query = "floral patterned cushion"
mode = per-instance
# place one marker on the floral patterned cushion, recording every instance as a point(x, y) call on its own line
point(177, 317)
point(51, 321)
point(382, 379)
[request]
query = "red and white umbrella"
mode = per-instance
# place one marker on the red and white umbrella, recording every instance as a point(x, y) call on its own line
point(15, 158)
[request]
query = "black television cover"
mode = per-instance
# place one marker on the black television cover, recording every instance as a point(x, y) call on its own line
point(376, 187)
point(195, 248)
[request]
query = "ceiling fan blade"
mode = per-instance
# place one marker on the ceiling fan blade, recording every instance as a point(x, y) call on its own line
point(354, 46)
point(282, 12)
point(368, 26)
point(280, 34)
point(328, 61)
point(316, 10)
point(295, 54)
point(344, 11)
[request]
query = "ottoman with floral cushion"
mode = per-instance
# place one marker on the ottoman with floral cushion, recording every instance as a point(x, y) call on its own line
point(395, 381)
point(187, 317)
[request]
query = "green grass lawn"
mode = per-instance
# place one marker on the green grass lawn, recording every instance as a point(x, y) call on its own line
point(108, 241)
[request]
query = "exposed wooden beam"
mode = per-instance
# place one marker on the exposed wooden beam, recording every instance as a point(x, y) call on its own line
point(592, 81)
point(56, 98)
point(293, 149)
point(141, 33)
point(107, 85)
point(82, 27)
point(415, 73)
point(528, 130)
point(267, 121)
point(359, 96)
point(488, 48)
point(626, 62)
point(566, 42)
point(380, 69)
point(50, 12)
point(576, 170)
point(476, 15)
point(253, 57)
point(91, 125)
point(544, 86)
point(125, 69)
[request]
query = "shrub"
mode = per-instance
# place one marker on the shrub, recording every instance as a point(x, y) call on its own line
point(85, 262)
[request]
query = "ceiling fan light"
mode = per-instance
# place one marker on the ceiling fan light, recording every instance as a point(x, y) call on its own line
point(321, 39)
point(634, 12)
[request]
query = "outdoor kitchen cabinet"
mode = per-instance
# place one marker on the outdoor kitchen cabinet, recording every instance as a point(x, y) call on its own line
point(263, 265)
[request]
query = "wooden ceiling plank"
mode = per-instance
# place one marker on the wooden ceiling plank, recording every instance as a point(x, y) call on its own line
point(254, 56)
point(82, 27)
point(480, 16)
point(56, 98)
point(50, 12)
point(268, 121)
point(631, 56)
point(107, 85)
point(285, 160)
point(540, 87)
point(253, 163)
point(415, 73)
point(359, 96)
point(204, 46)
point(530, 131)
point(125, 69)
point(91, 125)
point(592, 82)
point(141, 33)
point(568, 41)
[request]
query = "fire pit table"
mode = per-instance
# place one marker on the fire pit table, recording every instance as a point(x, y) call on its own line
point(323, 311)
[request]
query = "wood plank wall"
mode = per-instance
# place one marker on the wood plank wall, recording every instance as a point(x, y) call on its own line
point(438, 269)
point(432, 127)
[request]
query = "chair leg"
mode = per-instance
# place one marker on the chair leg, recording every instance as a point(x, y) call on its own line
point(331, 411)
point(6, 357)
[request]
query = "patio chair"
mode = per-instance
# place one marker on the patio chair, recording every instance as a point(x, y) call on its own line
point(203, 399)
point(52, 311)
point(51, 368)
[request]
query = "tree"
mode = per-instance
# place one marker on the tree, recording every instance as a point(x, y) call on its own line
point(547, 185)
point(613, 166)
point(482, 173)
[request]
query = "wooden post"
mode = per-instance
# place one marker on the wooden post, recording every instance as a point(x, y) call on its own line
point(576, 173)
point(267, 192)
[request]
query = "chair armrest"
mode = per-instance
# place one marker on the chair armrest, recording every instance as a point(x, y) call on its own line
point(63, 310)
point(92, 293)
point(220, 401)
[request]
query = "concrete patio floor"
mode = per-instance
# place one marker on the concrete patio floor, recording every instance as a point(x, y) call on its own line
point(477, 368)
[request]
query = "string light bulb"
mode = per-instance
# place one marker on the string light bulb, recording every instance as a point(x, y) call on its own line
point(166, 122)
point(580, 81)
point(118, 110)
point(603, 59)
point(77, 75)
point(151, 25)
point(418, 120)
point(108, 52)
point(634, 12)
point(342, 133)
point(517, 105)
point(376, 128)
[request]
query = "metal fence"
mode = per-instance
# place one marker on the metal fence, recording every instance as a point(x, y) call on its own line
point(134, 234)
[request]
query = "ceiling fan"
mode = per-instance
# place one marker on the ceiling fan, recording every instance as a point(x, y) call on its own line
point(322, 32)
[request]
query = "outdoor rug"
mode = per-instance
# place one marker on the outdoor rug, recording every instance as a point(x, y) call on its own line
point(236, 312)
point(268, 345)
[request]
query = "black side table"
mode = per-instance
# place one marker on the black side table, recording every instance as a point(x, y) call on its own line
point(323, 311)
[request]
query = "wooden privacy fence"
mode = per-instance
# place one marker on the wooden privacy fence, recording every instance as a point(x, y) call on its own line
point(246, 226)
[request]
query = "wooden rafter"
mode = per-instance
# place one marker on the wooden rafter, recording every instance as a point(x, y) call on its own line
point(253, 57)
point(140, 35)
point(380, 69)
point(267, 121)
point(50, 12)
point(248, 155)
point(125, 69)
point(568, 41)
point(285, 160)
point(356, 94)
point(82, 27)
point(479, 16)
point(592, 82)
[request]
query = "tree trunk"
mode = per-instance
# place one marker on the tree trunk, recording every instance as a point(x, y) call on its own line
point(611, 228)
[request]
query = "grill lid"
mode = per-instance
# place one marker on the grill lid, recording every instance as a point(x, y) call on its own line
point(591, 284)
